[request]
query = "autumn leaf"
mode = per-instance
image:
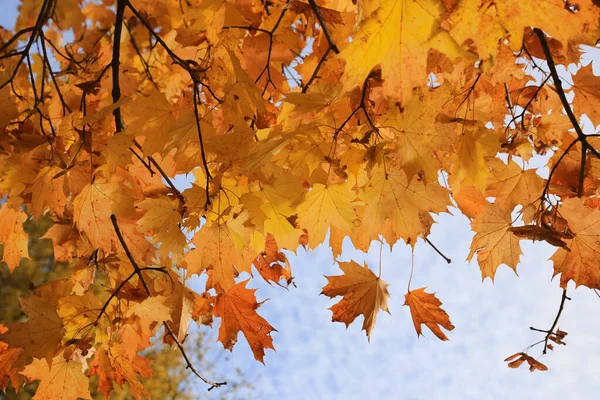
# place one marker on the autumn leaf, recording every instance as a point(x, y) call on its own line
point(13, 236)
point(60, 380)
point(586, 87)
point(580, 261)
point(493, 242)
point(394, 36)
point(42, 333)
point(218, 247)
point(425, 309)
point(324, 206)
point(237, 310)
point(272, 264)
point(364, 293)
point(399, 207)
point(93, 207)
point(510, 185)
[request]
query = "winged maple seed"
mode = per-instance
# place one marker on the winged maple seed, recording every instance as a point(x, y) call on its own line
point(516, 360)
point(297, 122)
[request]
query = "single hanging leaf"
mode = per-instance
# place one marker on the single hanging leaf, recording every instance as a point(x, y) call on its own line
point(493, 242)
point(425, 309)
point(364, 293)
point(237, 310)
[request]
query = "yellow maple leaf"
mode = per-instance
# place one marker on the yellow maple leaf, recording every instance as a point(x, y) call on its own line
point(396, 34)
point(12, 235)
point(474, 146)
point(581, 261)
point(61, 380)
point(364, 293)
point(42, 333)
point(493, 242)
point(47, 192)
point(511, 185)
point(586, 87)
point(398, 208)
point(324, 206)
point(220, 249)
point(93, 207)
point(417, 136)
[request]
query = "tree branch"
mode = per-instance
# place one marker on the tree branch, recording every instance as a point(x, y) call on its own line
point(321, 20)
point(116, 63)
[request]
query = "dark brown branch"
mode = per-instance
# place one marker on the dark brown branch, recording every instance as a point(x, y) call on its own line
point(317, 12)
point(316, 71)
point(138, 271)
point(448, 260)
point(116, 63)
point(13, 39)
point(202, 151)
point(581, 137)
point(247, 27)
point(116, 93)
point(43, 16)
point(192, 69)
point(558, 84)
point(582, 171)
point(362, 106)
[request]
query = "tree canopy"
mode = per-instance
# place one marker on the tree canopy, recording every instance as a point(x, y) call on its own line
point(299, 123)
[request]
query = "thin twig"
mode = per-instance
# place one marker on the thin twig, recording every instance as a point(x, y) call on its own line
point(438, 251)
point(138, 271)
point(550, 331)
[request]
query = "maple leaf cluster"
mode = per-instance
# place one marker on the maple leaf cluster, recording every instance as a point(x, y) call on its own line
point(299, 123)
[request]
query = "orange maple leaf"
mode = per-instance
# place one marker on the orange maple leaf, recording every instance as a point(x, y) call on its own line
point(364, 293)
point(425, 309)
point(237, 310)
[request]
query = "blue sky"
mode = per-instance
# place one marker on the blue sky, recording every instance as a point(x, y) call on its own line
point(318, 359)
